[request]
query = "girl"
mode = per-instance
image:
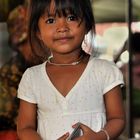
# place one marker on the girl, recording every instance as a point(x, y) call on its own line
point(71, 86)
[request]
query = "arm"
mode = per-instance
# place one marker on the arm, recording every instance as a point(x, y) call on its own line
point(114, 112)
point(115, 118)
point(26, 124)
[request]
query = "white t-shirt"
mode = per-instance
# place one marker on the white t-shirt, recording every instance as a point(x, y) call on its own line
point(84, 103)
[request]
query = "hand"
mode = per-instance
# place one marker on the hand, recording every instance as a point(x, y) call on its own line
point(88, 133)
point(64, 137)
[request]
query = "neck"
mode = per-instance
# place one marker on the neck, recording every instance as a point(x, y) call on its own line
point(70, 63)
point(67, 58)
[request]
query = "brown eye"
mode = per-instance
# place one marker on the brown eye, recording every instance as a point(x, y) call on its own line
point(50, 21)
point(71, 18)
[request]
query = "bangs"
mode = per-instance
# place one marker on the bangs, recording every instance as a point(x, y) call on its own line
point(64, 7)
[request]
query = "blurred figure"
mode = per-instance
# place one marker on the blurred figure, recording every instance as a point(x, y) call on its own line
point(135, 44)
point(136, 60)
point(11, 72)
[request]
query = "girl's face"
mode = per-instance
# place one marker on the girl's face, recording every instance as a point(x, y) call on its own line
point(61, 34)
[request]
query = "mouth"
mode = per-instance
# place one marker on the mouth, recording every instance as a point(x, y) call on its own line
point(63, 38)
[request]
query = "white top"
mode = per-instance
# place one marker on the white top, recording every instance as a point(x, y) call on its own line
point(84, 103)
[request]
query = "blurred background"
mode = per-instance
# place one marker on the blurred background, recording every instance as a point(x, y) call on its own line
point(114, 41)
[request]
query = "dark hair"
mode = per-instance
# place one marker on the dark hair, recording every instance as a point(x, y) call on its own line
point(135, 45)
point(80, 8)
point(135, 42)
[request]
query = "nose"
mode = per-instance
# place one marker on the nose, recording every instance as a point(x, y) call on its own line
point(62, 25)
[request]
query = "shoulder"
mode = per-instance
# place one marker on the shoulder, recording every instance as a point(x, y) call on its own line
point(34, 71)
point(32, 76)
point(102, 63)
point(37, 68)
point(105, 67)
point(107, 73)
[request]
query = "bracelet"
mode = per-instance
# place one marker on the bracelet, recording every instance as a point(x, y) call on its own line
point(106, 133)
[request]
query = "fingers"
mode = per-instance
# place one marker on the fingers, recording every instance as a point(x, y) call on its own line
point(80, 125)
point(83, 127)
point(76, 125)
point(64, 137)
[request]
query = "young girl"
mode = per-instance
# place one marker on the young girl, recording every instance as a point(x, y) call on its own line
point(71, 86)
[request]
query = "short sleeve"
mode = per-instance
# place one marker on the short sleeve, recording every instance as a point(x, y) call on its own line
point(112, 77)
point(25, 88)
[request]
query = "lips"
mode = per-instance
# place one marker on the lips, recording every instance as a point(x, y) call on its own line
point(63, 38)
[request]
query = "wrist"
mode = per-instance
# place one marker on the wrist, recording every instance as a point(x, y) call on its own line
point(105, 133)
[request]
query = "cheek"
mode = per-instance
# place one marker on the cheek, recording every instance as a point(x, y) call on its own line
point(44, 31)
point(46, 38)
point(80, 35)
point(81, 32)
point(46, 35)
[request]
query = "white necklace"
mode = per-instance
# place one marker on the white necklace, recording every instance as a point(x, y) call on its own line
point(61, 64)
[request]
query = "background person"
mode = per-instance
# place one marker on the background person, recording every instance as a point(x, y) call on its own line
point(11, 72)
point(135, 47)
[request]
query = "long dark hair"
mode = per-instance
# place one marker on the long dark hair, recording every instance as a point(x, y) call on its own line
point(80, 8)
